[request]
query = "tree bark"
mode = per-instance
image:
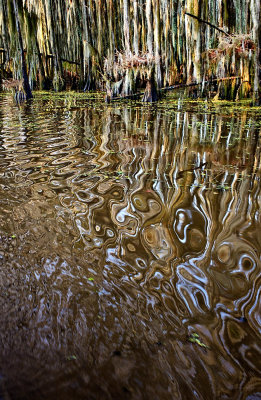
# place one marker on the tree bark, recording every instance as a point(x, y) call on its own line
point(256, 12)
point(42, 76)
point(4, 36)
point(26, 85)
point(157, 44)
point(135, 27)
point(58, 82)
point(149, 26)
point(126, 26)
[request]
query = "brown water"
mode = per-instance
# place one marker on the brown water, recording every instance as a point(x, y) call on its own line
point(130, 240)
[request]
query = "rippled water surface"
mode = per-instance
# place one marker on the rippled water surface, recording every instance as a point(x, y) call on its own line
point(130, 240)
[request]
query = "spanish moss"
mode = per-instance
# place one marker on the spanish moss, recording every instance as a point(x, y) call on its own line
point(117, 45)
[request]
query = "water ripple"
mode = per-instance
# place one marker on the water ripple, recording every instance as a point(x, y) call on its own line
point(130, 252)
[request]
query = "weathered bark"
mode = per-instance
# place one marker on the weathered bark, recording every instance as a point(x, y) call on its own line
point(100, 27)
point(86, 52)
point(126, 26)
point(157, 44)
point(81, 49)
point(135, 28)
point(4, 35)
point(256, 11)
point(111, 29)
point(149, 26)
point(142, 27)
point(42, 76)
point(58, 81)
point(26, 85)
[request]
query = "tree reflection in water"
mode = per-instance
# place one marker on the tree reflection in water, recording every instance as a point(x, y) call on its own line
point(134, 228)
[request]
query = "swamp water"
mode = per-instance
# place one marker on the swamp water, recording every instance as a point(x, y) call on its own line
point(130, 240)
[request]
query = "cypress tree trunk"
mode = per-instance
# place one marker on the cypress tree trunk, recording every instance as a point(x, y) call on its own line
point(99, 33)
point(86, 51)
point(126, 26)
point(26, 85)
point(256, 13)
point(4, 35)
point(157, 43)
point(111, 30)
point(100, 26)
point(43, 81)
point(143, 30)
point(149, 26)
point(129, 79)
point(79, 19)
point(135, 28)
point(58, 82)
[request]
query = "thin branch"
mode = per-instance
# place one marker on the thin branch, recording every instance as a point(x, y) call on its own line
point(207, 23)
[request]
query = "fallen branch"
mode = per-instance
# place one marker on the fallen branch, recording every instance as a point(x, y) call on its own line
point(207, 23)
point(179, 86)
point(200, 83)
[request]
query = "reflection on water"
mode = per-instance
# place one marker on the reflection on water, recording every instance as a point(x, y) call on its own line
point(126, 232)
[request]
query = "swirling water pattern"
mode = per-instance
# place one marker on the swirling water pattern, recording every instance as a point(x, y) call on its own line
point(127, 232)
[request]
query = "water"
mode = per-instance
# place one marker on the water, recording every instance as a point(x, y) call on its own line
point(129, 250)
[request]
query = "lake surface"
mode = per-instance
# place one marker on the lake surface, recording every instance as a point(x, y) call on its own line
point(130, 242)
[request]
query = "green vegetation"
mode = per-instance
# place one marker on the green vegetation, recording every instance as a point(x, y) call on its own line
point(194, 338)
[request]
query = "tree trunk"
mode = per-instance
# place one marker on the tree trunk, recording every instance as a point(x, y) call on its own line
point(149, 26)
point(42, 76)
point(26, 85)
point(100, 26)
point(79, 18)
point(157, 44)
point(256, 11)
point(126, 26)
point(58, 81)
point(4, 36)
point(86, 51)
point(135, 27)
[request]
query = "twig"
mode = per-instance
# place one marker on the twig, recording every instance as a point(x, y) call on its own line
point(207, 23)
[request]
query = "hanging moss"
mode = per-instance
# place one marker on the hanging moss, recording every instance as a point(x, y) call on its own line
point(94, 34)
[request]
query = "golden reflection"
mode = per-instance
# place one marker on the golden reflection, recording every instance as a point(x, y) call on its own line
point(132, 227)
